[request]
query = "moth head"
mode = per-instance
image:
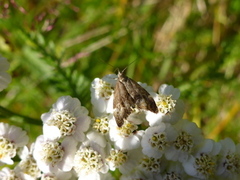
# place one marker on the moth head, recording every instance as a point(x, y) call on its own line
point(121, 75)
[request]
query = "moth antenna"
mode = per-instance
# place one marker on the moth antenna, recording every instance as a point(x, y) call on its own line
point(107, 63)
point(117, 69)
point(122, 72)
point(124, 69)
point(131, 62)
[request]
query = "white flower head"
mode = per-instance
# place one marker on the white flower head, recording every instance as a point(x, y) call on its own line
point(126, 137)
point(138, 174)
point(151, 167)
point(97, 138)
point(52, 156)
point(147, 168)
point(204, 163)
point(11, 138)
point(27, 167)
point(59, 175)
point(102, 94)
point(229, 161)
point(9, 174)
point(149, 89)
point(116, 158)
point(5, 78)
point(101, 124)
point(125, 161)
point(89, 161)
point(185, 144)
point(157, 140)
point(173, 171)
point(66, 118)
point(170, 108)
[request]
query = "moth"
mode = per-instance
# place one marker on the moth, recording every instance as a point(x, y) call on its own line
point(128, 94)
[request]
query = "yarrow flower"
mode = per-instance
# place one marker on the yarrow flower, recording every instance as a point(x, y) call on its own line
point(53, 156)
point(60, 175)
point(102, 94)
point(170, 108)
point(89, 161)
point(185, 144)
point(160, 146)
point(203, 164)
point(173, 171)
point(27, 167)
point(150, 167)
point(11, 138)
point(127, 137)
point(66, 118)
point(229, 161)
point(7, 173)
point(101, 124)
point(157, 140)
point(125, 161)
point(116, 158)
point(5, 78)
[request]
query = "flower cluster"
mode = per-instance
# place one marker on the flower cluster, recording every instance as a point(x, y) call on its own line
point(151, 146)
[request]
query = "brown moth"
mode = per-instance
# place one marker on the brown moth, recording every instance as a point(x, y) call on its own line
point(128, 94)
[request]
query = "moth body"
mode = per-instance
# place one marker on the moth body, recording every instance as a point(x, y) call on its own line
point(128, 95)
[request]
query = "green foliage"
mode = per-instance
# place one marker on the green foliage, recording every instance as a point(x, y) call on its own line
point(57, 48)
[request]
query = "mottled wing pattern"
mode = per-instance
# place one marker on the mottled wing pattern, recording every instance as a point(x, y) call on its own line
point(142, 98)
point(122, 103)
point(128, 94)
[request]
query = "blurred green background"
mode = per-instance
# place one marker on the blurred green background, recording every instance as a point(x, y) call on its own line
point(58, 47)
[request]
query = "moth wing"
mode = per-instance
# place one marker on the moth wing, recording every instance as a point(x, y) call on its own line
point(142, 98)
point(122, 103)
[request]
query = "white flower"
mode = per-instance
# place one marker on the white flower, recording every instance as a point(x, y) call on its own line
point(52, 156)
point(139, 175)
point(5, 78)
point(27, 167)
point(188, 136)
point(229, 161)
point(66, 118)
point(148, 168)
point(204, 163)
point(125, 161)
point(97, 138)
point(137, 117)
point(116, 158)
point(126, 137)
point(173, 171)
point(59, 175)
point(149, 89)
point(11, 138)
point(170, 108)
point(101, 124)
point(9, 174)
point(102, 94)
point(151, 167)
point(89, 161)
point(157, 140)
